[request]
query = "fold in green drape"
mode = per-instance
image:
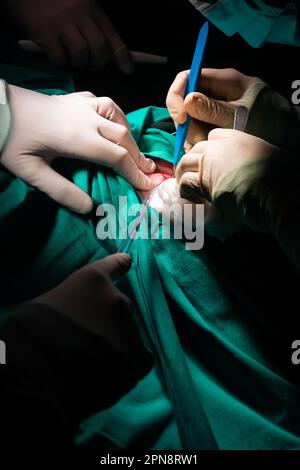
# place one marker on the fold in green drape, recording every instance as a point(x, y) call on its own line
point(215, 367)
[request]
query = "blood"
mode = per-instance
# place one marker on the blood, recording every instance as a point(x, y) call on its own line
point(164, 171)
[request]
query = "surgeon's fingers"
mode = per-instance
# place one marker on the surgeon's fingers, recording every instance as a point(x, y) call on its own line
point(40, 175)
point(127, 167)
point(115, 265)
point(189, 187)
point(99, 47)
point(188, 163)
point(54, 49)
point(120, 135)
point(191, 161)
point(175, 97)
point(200, 147)
point(108, 109)
point(191, 174)
point(84, 94)
point(121, 53)
point(76, 46)
point(223, 84)
point(221, 134)
point(197, 132)
point(100, 150)
point(209, 110)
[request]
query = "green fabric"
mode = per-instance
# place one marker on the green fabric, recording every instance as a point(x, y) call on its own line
point(214, 345)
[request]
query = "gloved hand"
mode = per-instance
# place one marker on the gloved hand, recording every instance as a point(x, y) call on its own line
point(78, 125)
point(90, 299)
point(248, 179)
point(77, 346)
point(71, 32)
point(166, 198)
point(271, 116)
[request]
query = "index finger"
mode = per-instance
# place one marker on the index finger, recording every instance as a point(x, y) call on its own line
point(121, 136)
point(175, 97)
point(108, 109)
point(120, 50)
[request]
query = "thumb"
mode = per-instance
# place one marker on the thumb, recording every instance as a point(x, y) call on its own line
point(209, 110)
point(174, 101)
point(196, 185)
point(114, 266)
point(189, 187)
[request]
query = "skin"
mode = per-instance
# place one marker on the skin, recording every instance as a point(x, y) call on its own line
point(163, 171)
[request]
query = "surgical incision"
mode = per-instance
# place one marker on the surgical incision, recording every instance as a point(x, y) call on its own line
point(167, 195)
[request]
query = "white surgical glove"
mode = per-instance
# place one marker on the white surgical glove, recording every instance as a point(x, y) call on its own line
point(78, 126)
point(248, 179)
point(77, 33)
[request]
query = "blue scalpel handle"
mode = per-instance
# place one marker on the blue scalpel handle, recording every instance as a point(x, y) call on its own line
point(192, 86)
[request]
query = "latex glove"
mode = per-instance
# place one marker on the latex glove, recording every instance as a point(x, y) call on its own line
point(78, 125)
point(271, 116)
point(167, 196)
point(85, 331)
point(73, 32)
point(248, 179)
point(90, 299)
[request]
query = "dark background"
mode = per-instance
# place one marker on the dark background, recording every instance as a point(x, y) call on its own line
point(172, 31)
